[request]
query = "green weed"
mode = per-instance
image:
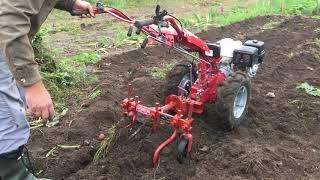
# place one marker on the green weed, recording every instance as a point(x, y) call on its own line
point(43, 56)
point(310, 90)
point(160, 72)
point(95, 94)
point(106, 143)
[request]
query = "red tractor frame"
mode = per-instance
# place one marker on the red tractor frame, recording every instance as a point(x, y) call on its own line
point(215, 81)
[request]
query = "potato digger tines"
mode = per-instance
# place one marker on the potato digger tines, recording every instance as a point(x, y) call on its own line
point(218, 75)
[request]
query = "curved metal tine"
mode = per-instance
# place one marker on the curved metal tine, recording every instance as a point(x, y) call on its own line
point(183, 90)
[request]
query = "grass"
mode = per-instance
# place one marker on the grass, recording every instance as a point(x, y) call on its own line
point(219, 18)
point(71, 28)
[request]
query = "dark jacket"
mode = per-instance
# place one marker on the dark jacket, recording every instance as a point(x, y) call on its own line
point(19, 22)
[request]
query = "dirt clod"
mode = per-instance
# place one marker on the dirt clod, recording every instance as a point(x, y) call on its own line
point(204, 148)
point(271, 95)
point(101, 137)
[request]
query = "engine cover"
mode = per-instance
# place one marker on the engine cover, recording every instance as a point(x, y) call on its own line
point(259, 45)
point(245, 57)
point(215, 48)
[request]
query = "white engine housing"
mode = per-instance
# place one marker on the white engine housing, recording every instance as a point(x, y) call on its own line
point(228, 45)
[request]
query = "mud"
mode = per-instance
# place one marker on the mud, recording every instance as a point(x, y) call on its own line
point(279, 139)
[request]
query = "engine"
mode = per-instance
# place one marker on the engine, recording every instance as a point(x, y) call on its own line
point(249, 57)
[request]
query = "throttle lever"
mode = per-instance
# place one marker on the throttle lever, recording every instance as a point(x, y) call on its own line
point(164, 24)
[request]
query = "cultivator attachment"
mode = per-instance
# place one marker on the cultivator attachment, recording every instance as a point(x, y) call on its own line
point(179, 105)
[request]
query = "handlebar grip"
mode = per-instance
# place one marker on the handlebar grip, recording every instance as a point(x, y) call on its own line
point(139, 30)
point(140, 24)
point(79, 13)
point(130, 31)
point(144, 43)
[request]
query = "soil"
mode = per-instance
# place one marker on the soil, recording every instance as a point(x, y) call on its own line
point(279, 138)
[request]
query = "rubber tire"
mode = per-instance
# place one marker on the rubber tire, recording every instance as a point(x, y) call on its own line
point(174, 77)
point(182, 150)
point(226, 96)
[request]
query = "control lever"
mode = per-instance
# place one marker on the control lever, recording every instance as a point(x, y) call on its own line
point(160, 14)
point(144, 43)
point(157, 10)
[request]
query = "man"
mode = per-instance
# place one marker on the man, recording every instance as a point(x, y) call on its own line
point(20, 82)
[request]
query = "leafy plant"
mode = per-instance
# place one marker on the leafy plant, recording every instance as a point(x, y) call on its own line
point(309, 89)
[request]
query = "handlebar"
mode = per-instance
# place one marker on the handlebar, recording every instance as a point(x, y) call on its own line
point(146, 22)
point(158, 19)
point(79, 13)
point(139, 24)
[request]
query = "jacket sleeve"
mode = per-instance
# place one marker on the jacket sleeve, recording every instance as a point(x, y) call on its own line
point(66, 5)
point(14, 41)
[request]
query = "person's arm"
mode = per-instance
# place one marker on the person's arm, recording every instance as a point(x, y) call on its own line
point(17, 50)
point(66, 5)
point(14, 41)
point(69, 5)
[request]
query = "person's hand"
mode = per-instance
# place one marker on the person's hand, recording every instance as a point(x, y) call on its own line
point(39, 102)
point(83, 5)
